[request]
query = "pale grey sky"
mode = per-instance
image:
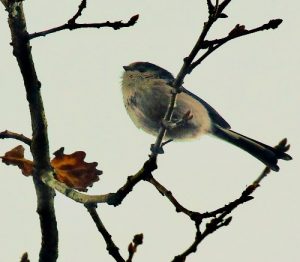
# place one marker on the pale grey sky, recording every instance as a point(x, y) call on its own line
point(252, 82)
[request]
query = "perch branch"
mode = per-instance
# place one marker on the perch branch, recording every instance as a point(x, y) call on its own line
point(178, 81)
point(190, 63)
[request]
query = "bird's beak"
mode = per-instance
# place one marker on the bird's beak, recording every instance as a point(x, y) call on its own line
point(126, 68)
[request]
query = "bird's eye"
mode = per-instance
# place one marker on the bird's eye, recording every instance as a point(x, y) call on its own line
point(142, 70)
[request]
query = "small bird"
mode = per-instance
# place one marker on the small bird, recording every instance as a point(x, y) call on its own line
point(147, 89)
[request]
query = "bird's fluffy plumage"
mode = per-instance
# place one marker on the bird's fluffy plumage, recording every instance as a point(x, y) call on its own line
point(146, 93)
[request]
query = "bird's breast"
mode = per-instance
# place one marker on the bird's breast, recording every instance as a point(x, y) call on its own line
point(147, 101)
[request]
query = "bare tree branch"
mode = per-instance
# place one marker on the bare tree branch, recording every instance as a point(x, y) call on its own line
point(211, 227)
point(20, 137)
point(78, 13)
point(220, 215)
point(72, 24)
point(114, 199)
point(195, 216)
point(112, 249)
point(198, 217)
point(178, 81)
point(215, 12)
point(43, 177)
point(39, 144)
point(238, 31)
point(219, 220)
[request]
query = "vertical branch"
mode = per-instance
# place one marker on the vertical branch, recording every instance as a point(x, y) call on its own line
point(214, 14)
point(46, 211)
point(39, 145)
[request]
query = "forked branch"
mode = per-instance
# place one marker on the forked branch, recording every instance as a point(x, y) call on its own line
point(72, 24)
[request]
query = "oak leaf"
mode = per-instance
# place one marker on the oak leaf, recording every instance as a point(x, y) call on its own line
point(73, 171)
point(15, 157)
point(69, 169)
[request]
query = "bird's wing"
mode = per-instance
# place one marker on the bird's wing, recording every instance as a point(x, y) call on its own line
point(214, 115)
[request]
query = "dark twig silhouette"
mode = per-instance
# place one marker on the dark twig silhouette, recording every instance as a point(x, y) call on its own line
point(112, 249)
point(71, 24)
point(20, 137)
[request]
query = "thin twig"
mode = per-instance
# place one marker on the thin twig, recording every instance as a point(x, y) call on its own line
point(115, 25)
point(245, 197)
point(195, 216)
point(78, 13)
point(211, 227)
point(71, 24)
point(112, 249)
point(13, 135)
point(213, 45)
point(215, 12)
point(283, 147)
point(132, 248)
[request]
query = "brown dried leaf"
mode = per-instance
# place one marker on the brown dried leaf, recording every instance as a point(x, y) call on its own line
point(73, 171)
point(69, 169)
point(15, 157)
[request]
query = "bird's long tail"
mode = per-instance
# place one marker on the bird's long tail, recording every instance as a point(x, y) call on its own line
point(266, 154)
